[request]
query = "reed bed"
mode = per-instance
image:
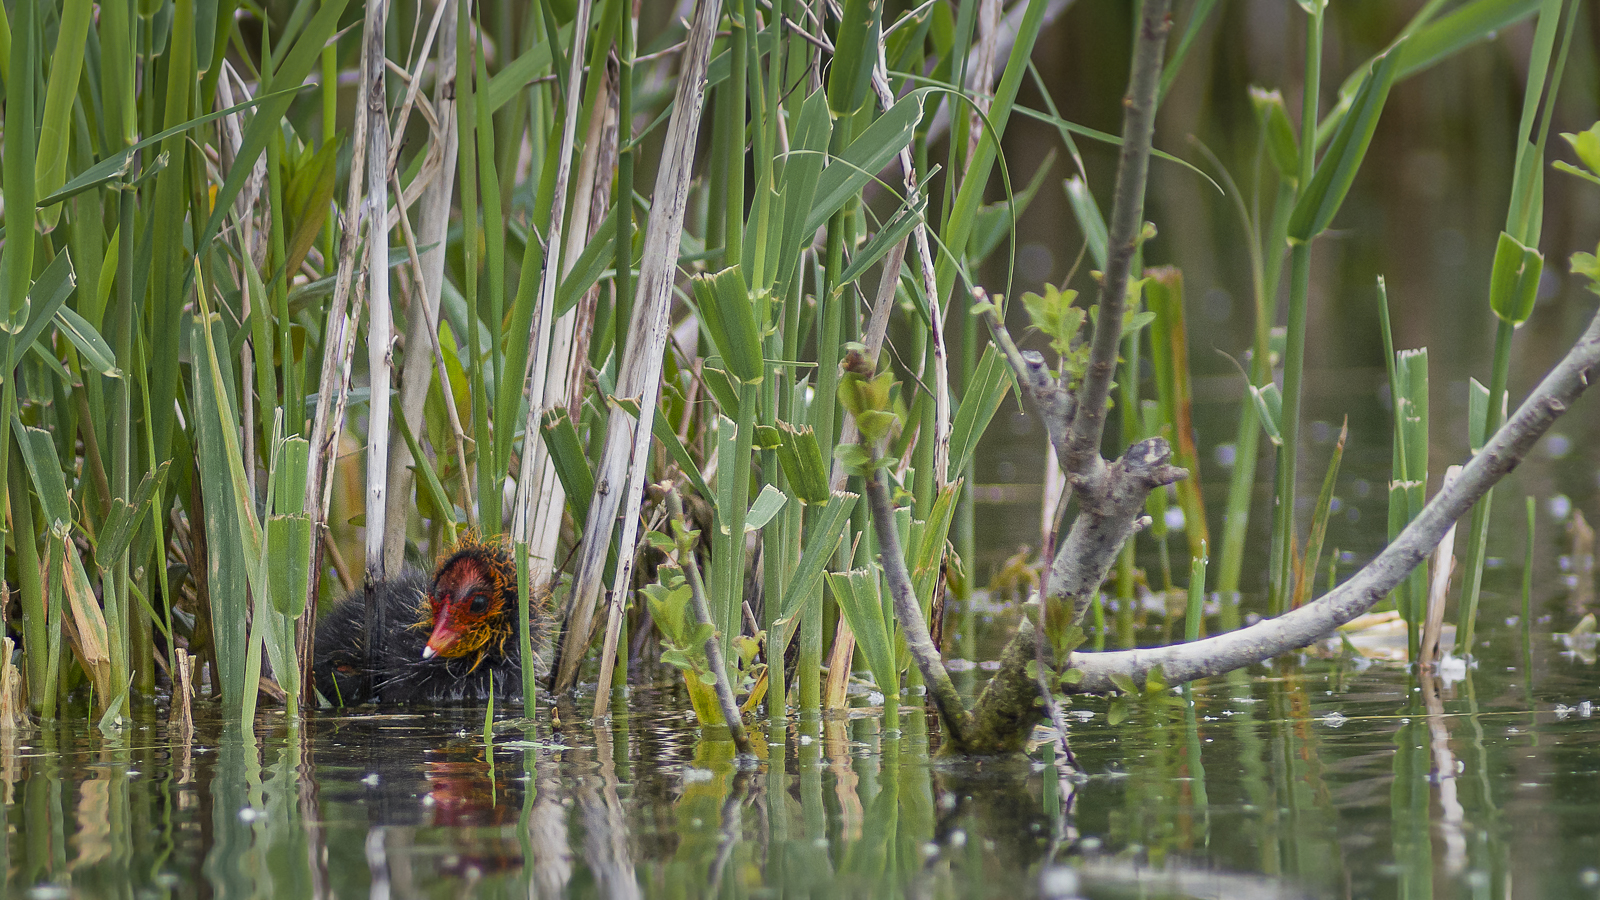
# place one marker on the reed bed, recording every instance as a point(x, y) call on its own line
point(287, 280)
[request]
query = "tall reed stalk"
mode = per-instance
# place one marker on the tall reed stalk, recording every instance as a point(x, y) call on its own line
point(1513, 283)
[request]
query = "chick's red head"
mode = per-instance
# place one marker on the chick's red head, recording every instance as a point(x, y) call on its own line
point(469, 605)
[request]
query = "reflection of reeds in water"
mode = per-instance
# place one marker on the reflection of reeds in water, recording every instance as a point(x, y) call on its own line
point(543, 827)
point(858, 814)
point(605, 824)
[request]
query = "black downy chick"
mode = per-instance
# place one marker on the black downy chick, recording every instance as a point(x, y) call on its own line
point(444, 637)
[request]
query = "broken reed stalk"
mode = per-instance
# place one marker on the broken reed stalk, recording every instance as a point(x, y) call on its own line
point(12, 704)
point(181, 709)
point(380, 360)
point(1438, 587)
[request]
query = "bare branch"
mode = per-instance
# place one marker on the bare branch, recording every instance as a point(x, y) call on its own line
point(1264, 640)
point(1044, 393)
point(702, 616)
point(1083, 463)
point(907, 611)
point(1107, 517)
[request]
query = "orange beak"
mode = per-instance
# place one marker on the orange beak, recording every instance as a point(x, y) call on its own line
point(443, 638)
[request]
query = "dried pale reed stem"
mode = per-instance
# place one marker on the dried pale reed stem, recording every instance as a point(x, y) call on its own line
point(12, 716)
point(332, 397)
point(184, 694)
point(1438, 587)
point(380, 358)
point(394, 545)
point(428, 269)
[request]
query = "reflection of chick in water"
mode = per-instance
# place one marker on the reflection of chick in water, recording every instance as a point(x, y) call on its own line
point(443, 637)
point(460, 791)
point(461, 795)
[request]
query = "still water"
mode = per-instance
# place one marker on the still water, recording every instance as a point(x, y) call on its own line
point(1311, 777)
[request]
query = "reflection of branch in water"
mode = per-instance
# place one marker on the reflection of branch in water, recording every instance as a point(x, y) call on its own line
point(997, 801)
point(731, 829)
point(1063, 834)
point(1174, 877)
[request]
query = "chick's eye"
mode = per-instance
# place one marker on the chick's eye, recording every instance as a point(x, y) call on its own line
point(480, 603)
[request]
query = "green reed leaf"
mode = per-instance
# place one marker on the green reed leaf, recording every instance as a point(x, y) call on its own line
point(728, 314)
point(867, 155)
point(1514, 280)
point(1315, 209)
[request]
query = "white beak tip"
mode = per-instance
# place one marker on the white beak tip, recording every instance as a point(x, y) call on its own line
point(429, 653)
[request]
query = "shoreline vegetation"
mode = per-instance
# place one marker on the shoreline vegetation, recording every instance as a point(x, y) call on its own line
point(704, 315)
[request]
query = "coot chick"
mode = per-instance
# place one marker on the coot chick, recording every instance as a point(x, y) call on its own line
point(444, 636)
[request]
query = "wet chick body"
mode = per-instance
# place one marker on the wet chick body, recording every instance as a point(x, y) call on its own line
point(446, 638)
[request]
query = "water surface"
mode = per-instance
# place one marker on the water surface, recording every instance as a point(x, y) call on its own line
point(1303, 778)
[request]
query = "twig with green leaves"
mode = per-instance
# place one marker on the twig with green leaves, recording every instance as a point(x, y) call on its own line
point(703, 636)
point(866, 394)
point(1111, 495)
